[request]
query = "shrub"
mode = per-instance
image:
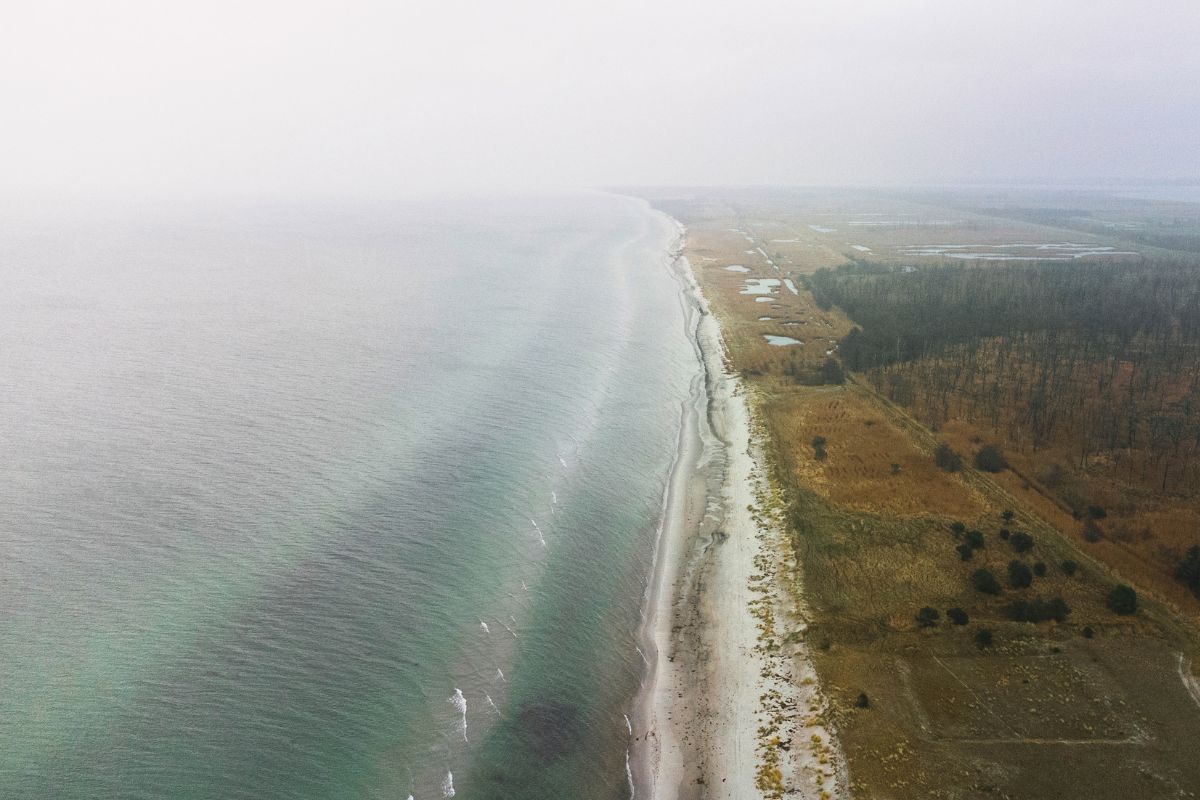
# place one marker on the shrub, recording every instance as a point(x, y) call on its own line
point(1005, 533)
point(862, 701)
point(974, 540)
point(1069, 568)
point(895, 468)
point(819, 454)
point(1096, 512)
point(958, 529)
point(1188, 571)
point(1038, 610)
point(1019, 576)
point(1007, 515)
point(1088, 632)
point(818, 441)
point(984, 581)
point(1091, 531)
point(1122, 600)
point(990, 459)
point(1021, 542)
point(957, 616)
point(927, 617)
point(965, 551)
point(947, 459)
point(831, 372)
point(1039, 569)
point(983, 638)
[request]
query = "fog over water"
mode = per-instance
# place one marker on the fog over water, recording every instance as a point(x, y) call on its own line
point(273, 98)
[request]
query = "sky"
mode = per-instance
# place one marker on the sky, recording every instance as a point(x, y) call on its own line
point(148, 97)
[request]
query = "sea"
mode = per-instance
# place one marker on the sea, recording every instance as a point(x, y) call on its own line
point(332, 499)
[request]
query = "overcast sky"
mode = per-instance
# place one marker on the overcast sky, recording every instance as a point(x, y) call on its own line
point(151, 96)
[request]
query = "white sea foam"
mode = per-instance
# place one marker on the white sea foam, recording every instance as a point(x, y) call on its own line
point(500, 675)
point(628, 724)
point(448, 785)
point(629, 776)
point(560, 460)
point(524, 586)
point(537, 528)
point(488, 699)
point(485, 627)
point(554, 498)
point(460, 703)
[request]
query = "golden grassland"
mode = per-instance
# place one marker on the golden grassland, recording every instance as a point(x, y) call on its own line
point(1095, 706)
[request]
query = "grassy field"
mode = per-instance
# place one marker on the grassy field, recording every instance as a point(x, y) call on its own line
point(1095, 705)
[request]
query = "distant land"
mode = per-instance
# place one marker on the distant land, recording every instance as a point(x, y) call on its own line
point(981, 410)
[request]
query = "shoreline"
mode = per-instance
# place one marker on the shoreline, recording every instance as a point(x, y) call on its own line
point(718, 675)
point(657, 757)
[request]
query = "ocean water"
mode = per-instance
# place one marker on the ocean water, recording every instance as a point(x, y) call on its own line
point(328, 501)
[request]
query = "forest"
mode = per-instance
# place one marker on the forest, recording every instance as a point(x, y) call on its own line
point(1101, 360)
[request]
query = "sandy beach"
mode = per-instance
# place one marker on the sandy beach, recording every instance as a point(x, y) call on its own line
point(712, 685)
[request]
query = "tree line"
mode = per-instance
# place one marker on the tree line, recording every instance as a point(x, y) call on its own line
point(1103, 358)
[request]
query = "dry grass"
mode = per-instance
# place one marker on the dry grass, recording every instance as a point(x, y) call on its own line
point(863, 445)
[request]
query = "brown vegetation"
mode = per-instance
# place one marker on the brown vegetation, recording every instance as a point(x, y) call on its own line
point(970, 701)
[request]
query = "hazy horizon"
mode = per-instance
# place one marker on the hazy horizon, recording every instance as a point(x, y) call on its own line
point(277, 99)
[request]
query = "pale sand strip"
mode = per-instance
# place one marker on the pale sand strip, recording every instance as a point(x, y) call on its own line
point(701, 707)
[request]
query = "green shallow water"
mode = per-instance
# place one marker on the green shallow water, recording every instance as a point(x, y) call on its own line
point(275, 486)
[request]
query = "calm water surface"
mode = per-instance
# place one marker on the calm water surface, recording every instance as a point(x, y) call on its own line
point(328, 502)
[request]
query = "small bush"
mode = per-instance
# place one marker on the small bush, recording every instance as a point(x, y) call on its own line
point(895, 468)
point(1122, 600)
point(947, 459)
point(957, 616)
point(1019, 575)
point(1096, 512)
point(862, 701)
point(1039, 569)
point(1188, 571)
point(983, 638)
point(984, 581)
point(965, 551)
point(1088, 632)
point(927, 617)
point(1091, 531)
point(974, 540)
point(819, 454)
point(831, 372)
point(1005, 533)
point(990, 459)
point(958, 529)
point(1007, 515)
point(1069, 568)
point(818, 441)
point(1021, 542)
point(1038, 610)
